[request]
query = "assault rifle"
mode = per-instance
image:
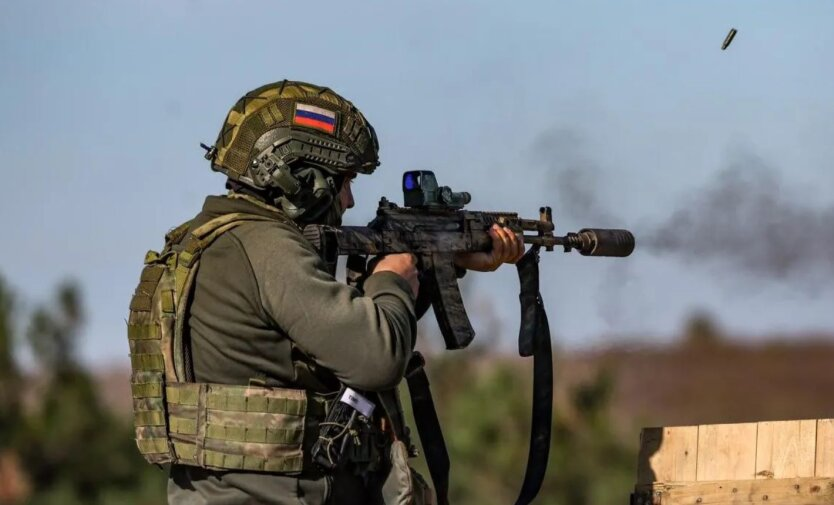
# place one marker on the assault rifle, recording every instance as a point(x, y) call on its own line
point(434, 226)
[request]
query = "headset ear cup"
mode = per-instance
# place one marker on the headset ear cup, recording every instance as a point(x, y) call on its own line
point(316, 196)
point(324, 192)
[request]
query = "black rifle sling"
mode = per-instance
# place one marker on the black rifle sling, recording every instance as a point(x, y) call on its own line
point(428, 427)
point(534, 339)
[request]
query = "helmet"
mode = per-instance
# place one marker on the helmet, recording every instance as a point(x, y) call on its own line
point(295, 141)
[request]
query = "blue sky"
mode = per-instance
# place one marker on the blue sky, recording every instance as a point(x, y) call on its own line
point(104, 105)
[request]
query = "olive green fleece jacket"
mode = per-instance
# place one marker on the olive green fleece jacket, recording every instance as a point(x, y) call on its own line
point(266, 308)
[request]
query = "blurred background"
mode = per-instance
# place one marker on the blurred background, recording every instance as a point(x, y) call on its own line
point(617, 114)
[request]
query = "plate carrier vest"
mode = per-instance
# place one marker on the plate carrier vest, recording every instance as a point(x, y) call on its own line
point(215, 426)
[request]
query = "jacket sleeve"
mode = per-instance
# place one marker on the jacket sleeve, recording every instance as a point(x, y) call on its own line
point(365, 340)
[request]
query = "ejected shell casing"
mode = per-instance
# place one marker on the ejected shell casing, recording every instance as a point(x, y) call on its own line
point(729, 38)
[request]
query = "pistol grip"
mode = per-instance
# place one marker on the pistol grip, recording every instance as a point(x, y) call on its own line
point(446, 300)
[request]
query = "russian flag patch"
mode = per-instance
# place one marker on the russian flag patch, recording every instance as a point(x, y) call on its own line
point(314, 117)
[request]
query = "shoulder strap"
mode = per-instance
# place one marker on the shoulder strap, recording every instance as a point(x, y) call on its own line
point(201, 237)
point(193, 244)
point(175, 235)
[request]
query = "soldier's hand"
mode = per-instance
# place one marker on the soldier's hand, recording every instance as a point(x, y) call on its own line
point(404, 265)
point(507, 247)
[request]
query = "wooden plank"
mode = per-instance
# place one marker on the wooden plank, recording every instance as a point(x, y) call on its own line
point(726, 451)
point(803, 491)
point(786, 449)
point(667, 454)
point(825, 448)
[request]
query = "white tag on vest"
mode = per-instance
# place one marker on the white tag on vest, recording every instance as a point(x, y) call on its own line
point(358, 402)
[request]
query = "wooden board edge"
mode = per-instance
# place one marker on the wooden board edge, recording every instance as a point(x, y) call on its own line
point(796, 491)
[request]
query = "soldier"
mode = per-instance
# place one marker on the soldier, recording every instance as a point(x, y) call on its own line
point(264, 335)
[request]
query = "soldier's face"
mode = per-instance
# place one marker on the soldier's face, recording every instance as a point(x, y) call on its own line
point(346, 195)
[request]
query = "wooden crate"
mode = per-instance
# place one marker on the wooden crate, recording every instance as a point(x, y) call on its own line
point(773, 462)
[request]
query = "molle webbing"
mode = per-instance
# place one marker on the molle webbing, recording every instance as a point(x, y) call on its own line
point(237, 427)
point(214, 426)
point(147, 330)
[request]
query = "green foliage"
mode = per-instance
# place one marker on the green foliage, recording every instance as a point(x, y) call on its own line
point(9, 375)
point(591, 465)
point(485, 406)
point(54, 330)
point(71, 447)
point(7, 365)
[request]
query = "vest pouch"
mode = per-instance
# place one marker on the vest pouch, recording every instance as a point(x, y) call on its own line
point(403, 485)
point(147, 380)
point(225, 427)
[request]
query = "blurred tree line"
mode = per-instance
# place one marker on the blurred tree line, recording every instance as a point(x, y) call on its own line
point(485, 407)
point(65, 448)
point(60, 445)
